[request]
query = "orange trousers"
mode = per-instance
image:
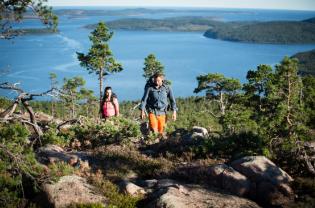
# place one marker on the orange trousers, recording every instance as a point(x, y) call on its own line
point(157, 123)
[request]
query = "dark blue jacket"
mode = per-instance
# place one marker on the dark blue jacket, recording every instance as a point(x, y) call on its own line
point(156, 100)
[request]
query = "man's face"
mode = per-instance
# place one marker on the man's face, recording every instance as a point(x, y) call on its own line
point(158, 81)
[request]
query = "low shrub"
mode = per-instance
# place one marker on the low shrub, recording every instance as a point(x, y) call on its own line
point(19, 170)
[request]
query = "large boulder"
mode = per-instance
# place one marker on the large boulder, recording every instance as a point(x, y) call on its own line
point(271, 184)
point(50, 154)
point(72, 190)
point(201, 131)
point(132, 189)
point(227, 178)
point(43, 118)
point(175, 195)
point(197, 133)
point(53, 153)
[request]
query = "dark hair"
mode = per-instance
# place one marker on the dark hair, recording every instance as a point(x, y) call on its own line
point(105, 96)
point(158, 74)
point(108, 88)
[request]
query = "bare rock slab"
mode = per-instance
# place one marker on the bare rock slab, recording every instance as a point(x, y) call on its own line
point(227, 178)
point(187, 196)
point(271, 183)
point(72, 190)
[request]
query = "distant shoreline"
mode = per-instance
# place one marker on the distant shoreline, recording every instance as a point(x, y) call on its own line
point(272, 32)
point(177, 7)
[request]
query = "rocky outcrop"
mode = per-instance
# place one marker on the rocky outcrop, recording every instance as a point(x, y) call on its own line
point(197, 133)
point(229, 179)
point(254, 177)
point(173, 194)
point(52, 154)
point(72, 190)
point(270, 184)
point(131, 188)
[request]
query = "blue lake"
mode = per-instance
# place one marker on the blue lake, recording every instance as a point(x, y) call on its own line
point(185, 55)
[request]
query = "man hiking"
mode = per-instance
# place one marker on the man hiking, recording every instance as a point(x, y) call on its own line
point(155, 103)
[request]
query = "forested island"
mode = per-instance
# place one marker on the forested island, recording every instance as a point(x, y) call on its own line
point(79, 13)
point(274, 32)
point(34, 31)
point(184, 24)
point(306, 62)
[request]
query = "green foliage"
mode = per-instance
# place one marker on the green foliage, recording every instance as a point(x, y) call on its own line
point(167, 24)
point(93, 205)
point(100, 59)
point(17, 165)
point(115, 198)
point(220, 89)
point(193, 111)
point(272, 107)
point(4, 103)
point(74, 94)
point(115, 129)
point(152, 66)
point(306, 62)
point(52, 136)
point(234, 146)
point(217, 83)
point(59, 169)
point(309, 100)
point(238, 119)
point(14, 11)
point(258, 85)
point(277, 32)
point(121, 160)
point(283, 116)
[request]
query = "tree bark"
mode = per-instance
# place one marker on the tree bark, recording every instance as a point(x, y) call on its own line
point(222, 106)
point(30, 111)
point(8, 112)
point(101, 93)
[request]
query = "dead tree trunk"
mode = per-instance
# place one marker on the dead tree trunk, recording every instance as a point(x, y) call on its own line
point(22, 98)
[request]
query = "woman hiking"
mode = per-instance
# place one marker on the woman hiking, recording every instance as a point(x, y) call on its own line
point(110, 105)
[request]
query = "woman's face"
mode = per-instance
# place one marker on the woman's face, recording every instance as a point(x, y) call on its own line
point(108, 93)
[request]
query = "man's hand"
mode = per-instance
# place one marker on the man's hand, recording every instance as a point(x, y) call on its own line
point(143, 115)
point(174, 116)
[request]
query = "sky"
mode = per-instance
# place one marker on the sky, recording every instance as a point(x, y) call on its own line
point(260, 4)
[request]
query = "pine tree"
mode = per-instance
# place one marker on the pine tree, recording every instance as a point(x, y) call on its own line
point(152, 66)
point(256, 90)
point(100, 59)
point(309, 99)
point(277, 97)
point(13, 11)
point(89, 100)
point(72, 93)
point(219, 88)
point(286, 92)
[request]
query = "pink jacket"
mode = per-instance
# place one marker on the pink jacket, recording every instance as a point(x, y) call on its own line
point(111, 108)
